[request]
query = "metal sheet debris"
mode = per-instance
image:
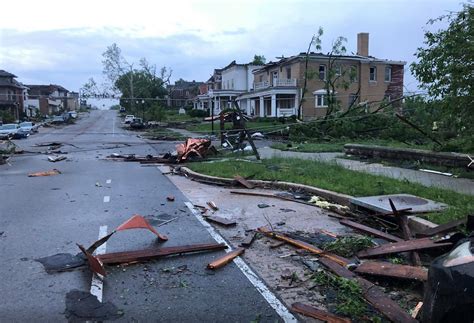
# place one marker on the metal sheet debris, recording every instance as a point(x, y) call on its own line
point(379, 268)
point(83, 306)
point(219, 220)
point(303, 245)
point(370, 231)
point(47, 173)
point(153, 253)
point(137, 221)
point(396, 247)
point(373, 294)
point(221, 262)
point(381, 203)
point(318, 314)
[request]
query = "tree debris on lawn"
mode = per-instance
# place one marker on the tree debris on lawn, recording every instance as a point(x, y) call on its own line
point(46, 173)
point(221, 262)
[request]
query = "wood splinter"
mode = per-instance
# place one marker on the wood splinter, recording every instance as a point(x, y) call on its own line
point(221, 262)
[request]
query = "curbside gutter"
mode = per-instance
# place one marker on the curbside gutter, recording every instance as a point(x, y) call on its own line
point(416, 224)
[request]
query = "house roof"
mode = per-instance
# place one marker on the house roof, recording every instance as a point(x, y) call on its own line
point(4, 73)
point(316, 56)
point(46, 88)
point(7, 83)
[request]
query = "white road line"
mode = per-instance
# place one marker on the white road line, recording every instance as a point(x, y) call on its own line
point(113, 127)
point(108, 181)
point(274, 302)
point(97, 284)
point(106, 199)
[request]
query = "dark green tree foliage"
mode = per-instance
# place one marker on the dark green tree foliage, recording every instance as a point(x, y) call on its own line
point(445, 68)
point(259, 60)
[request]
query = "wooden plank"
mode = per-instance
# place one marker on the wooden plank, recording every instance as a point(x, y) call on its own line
point(242, 181)
point(371, 231)
point(220, 220)
point(303, 245)
point(372, 293)
point(147, 254)
point(221, 262)
point(318, 314)
point(248, 239)
point(396, 247)
point(442, 228)
point(379, 268)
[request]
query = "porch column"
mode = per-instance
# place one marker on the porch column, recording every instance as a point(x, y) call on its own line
point(249, 109)
point(274, 106)
point(295, 108)
point(262, 107)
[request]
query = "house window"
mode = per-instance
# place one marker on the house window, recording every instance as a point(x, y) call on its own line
point(388, 74)
point(322, 72)
point(353, 75)
point(337, 70)
point(373, 74)
point(321, 101)
point(260, 78)
point(288, 73)
point(232, 84)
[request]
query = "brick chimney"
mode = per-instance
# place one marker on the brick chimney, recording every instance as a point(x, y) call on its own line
point(363, 44)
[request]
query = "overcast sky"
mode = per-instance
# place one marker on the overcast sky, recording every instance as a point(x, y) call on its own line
point(61, 42)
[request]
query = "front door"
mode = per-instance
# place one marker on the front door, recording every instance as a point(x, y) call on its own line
point(274, 78)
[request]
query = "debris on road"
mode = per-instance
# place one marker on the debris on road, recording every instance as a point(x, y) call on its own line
point(170, 198)
point(137, 221)
point(94, 264)
point(61, 262)
point(370, 231)
point(46, 173)
point(313, 312)
point(388, 269)
point(242, 181)
point(443, 228)
point(212, 205)
point(56, 158)
point(262, 205)
point(221, 262)
point(220, 220)
point(193, 149)
point(83, 306)
point(249, 239)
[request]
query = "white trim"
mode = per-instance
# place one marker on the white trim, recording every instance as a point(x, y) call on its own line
point(272, 300)
point(97, 283)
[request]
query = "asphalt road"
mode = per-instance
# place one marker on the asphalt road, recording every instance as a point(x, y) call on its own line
point(43, 216)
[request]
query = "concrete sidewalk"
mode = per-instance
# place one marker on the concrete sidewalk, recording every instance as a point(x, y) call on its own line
point(460, 185)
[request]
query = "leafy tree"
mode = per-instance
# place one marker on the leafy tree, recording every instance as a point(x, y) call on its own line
point(259, 60)
point(445, 68)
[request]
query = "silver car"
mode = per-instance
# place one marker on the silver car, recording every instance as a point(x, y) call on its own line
point(9, 130)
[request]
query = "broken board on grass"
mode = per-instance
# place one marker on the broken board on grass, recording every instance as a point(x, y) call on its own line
point(396, 247)
point(372, 293)
point(442, 228)
point(387, 269)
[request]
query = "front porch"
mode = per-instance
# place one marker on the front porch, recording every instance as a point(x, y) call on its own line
point(270, 105)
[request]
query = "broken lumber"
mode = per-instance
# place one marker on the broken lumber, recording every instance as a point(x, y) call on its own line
point(221, 262)
point(148, 254)
point(248, 239)
point(303, 245)
point(442, 228)
point(212, 205)
point(372, 293)
point(380, 268)
point(242, 181)
point(220, 220)
point(313, 312)
point(371, 231)
point(47, 173)
point(396, 247)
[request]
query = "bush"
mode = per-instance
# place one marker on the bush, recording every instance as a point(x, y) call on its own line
point(6, 117)
point(195, 113)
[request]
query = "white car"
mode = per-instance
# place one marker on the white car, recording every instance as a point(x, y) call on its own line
point(29, 126)
point(8, 131)
point(129, 118)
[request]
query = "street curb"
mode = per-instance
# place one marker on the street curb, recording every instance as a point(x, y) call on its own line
point(416, 223)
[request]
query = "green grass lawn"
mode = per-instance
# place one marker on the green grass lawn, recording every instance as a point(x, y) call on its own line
point(163, 133)
point(336, 178)
point(206, 127)
point(338, 145)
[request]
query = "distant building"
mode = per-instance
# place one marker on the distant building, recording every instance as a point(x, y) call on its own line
point(11, 94)
point(50, 99)
point(181, 94)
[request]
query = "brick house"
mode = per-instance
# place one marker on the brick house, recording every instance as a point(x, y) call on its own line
point(11, 94)
point(182, 93)
point(278, 85)
point(51, 99)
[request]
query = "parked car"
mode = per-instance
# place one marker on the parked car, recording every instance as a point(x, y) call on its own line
point(122, 109)
point(137, 123)
point(57, 119)
point(72, 114)
point(30, 126)
point(129, 118)
point(9, 130)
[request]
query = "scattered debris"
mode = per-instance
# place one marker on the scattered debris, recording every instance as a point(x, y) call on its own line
point(381, 203)
point(446, 227)
point(303, 245)
point(313, 312)
point(371, 231)
point(94, 264)
point(219, 220)
point(153, 253)
point(347, 246)
point(54, 145)
point(137, 221)
point(242, 181)
point(47, 173)
point(287, 210)
point(373, 294)
point(97, 184)
point(322, 203)
point(83, 306)
point(248, 239)
point(263, 205)
point(212, 205)
point(221, 262)
point(56, 158)
point(170, 198)
point(388, 269)
point(435, 172)
point(61, 262)
point(416, 310)
point(194, 149)
point(396, 247)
